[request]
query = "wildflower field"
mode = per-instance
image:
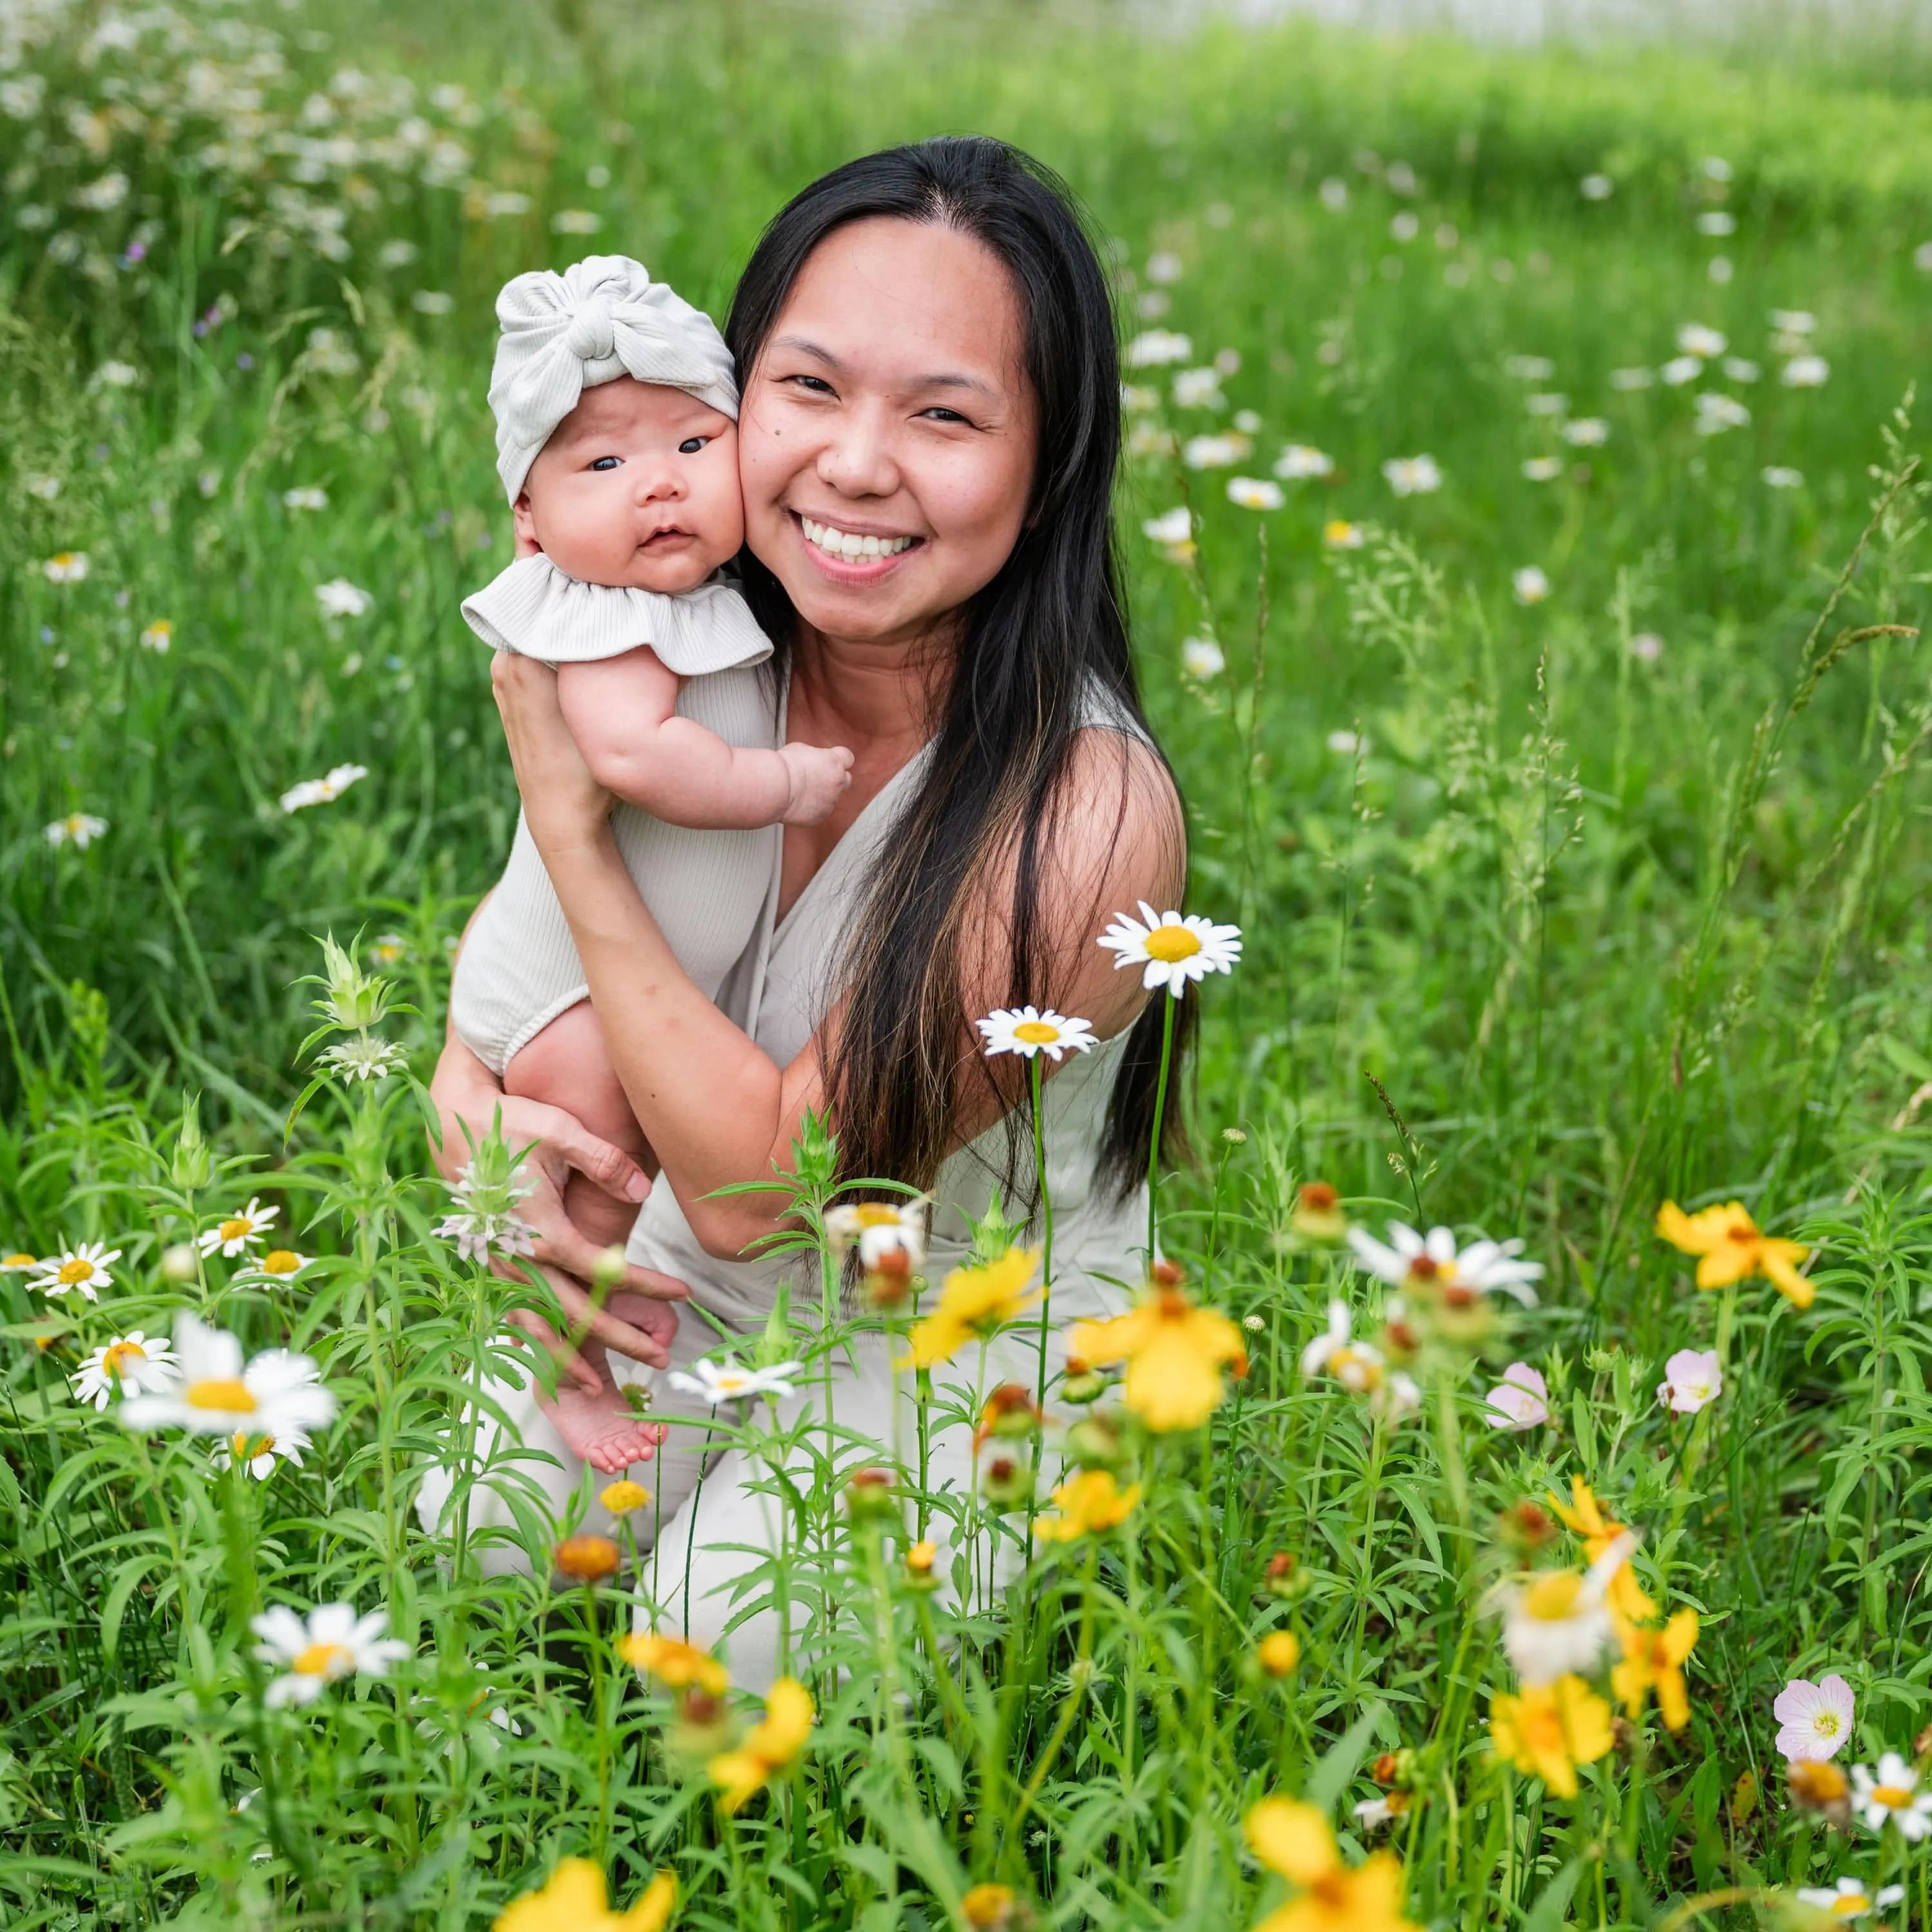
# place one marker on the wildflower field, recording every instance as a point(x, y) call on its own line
point(1504, 1506)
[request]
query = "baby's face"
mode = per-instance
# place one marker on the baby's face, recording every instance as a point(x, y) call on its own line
point(637, 488)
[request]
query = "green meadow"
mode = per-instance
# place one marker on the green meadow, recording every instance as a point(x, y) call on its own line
point(1527, 550)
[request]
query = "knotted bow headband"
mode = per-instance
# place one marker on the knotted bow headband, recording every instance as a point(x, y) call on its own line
point(602, 318)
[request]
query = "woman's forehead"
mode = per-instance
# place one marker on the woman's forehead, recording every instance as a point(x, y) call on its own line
point(900, 302)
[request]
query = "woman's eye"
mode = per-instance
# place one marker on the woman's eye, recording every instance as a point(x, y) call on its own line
point(818, 384)
point(607, 463)
point(944, 414)
point(692, 445)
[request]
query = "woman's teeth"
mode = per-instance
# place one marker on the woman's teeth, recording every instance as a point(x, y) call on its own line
point(849, 549)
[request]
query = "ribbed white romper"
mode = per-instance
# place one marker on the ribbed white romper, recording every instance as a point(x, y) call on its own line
point(519, 969)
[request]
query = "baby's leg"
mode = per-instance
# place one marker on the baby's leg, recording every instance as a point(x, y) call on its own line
point(565, 1065)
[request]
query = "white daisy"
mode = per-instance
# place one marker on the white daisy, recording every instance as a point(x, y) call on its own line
point(1849, 1898)
point(1681, 369)
point(1254, 493)
point(1529, 368)
point(332, 1644)
point(1706, 344)
point(1742, 369)
point(1339, 534)
point(1597, 187)
point(1543, 469)
point(339, 598)
point(1356, 1365)
point(715, 1382)
point(239, 1232)
point(1412, 475)
point(306, 496)
point(1301, 460)
point(1548, 403)
point(83, 1268)
point(1213, 452)
point(1717, 413)
point(1202, 658)
point(158, 637)
point(1634, 379)
point(877, 1229)
point(260, 1454)
point(1409, 1257)
point(1154, 346)
point(1520, 1401)
point(1805, 372)
point(1530, 584)
point(1779, 476)
point(1814, 1719)
point(322, 790)
point(78, 829)
point(277, 1394)
point(19, 1262)
point(1793, 321)
point(1171, 527)
point(128, 1364)
point(1892, 1794)
point(1027, 1031)
point(66, 566)
point(1171, 949)
point(280, 1265)
point(1587, 432)
point(1198, 389)
point(1559, 1621)
point(1692, 1381)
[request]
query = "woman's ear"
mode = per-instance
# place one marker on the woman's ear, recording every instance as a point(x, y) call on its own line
point(523, 526)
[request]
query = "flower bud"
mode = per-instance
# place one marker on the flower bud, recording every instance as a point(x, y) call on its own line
point(921, 1563)
point(1166, 1273)
point(887, 1283)
point(1317, 1215)
point(1278, 1653)
point(588, 1559)
point(1095, 1442)
point(1525, 1527)
point(871, 1495)
point(622, 1497)
point(1006, 1483)
point(1082, 1384)
point(1284, 1577)
point(1010, 1413)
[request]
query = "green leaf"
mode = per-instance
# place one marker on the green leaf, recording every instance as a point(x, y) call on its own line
point(1341, 1761)
point(1552, 1910)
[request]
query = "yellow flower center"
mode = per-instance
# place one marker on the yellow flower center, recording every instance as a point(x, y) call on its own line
point(922, 1556)
point(239, 1443)
point(325, 1659)
point(731, 1384)
point(1849, 1904)
point(1171, 944)
point(73, 1272)
point(280, 1260)
point(231, 1394)
point(121, 1352)
point(1741, 1231)
point(1825, 1724)
point(878, 1214)
point(1893, 1797)
point(237, 1228)
point(21, 1260)
point(1038, 1032)
point(1553, 1599)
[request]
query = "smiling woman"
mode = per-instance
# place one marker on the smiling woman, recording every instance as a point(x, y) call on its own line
point(927, 443)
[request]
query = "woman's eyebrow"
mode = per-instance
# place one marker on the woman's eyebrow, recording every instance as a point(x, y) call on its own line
point(804, 347)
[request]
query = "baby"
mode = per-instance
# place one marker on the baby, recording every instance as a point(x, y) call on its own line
point(617, 440)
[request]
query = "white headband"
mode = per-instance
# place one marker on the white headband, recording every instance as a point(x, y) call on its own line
point(602, 318)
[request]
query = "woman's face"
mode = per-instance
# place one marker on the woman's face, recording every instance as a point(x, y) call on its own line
point(887, 434)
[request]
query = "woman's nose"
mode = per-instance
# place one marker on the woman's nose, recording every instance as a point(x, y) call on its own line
point(856, 458)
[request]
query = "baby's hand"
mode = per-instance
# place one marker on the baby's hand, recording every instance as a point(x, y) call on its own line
point(820, 774)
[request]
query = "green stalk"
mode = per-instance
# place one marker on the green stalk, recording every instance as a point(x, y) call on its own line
point(1159, 1111)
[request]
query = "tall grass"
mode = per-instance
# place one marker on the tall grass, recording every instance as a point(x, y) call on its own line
point(1554, 909)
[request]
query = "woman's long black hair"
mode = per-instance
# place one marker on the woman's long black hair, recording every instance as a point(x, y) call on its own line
point(1044, 641)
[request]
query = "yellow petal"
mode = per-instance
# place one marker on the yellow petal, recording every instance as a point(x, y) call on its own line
point(572, 1901)
point(1680, 1636)
point(1293, 1839)
point(1798, 1289)
point(653, 1911)
point(1171, 1387)
point(1732, 1262)
point(740, 1777)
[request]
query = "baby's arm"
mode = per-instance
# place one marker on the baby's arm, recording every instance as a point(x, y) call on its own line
point(623, 712)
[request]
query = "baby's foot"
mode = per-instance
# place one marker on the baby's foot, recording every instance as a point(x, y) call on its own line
point(658, 1319)
point(820, 775)
point(603, 1429)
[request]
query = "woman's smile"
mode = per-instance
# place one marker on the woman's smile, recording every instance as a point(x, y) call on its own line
point(852, 555)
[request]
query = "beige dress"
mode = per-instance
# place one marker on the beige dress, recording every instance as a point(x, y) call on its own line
point(778, 993)
point(706, 889)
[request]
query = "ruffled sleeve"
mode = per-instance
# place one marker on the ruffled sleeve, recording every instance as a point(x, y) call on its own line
point(533, 609)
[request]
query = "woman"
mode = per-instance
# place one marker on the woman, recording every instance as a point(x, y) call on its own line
point(926, 351)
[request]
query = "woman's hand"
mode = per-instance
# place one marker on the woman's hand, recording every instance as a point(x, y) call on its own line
point(563, 803)
point(466, 1091)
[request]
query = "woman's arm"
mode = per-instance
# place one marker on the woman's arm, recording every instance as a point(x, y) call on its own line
point(717, 1109)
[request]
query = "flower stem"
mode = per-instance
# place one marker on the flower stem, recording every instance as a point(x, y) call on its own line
point(1159, 1114)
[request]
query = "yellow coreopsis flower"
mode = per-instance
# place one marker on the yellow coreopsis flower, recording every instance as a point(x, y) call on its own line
point(1653, 1660)
point(772, 1747)
point(1295, 1839)
point(1729, 1248)
point(1089, 1503)
point(1174, 1351)
point(574, 1900)
point(1586, 1517)
point(972, 1302)
point(676, 1665)
point(1549, 1730)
